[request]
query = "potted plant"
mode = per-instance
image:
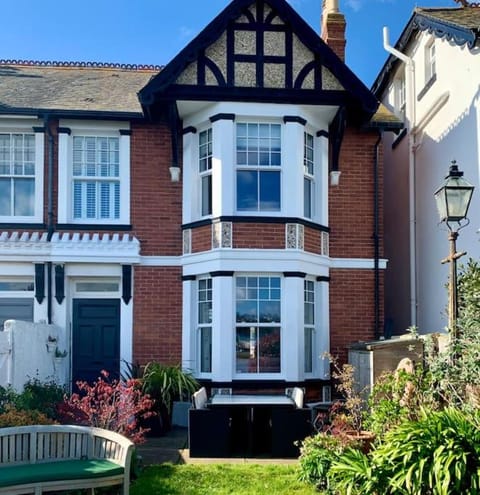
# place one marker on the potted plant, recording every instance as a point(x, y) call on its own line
point(166, 384)
point(51, 343)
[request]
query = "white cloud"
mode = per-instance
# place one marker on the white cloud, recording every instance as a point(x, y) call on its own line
point(186, 32)
point(355, 5)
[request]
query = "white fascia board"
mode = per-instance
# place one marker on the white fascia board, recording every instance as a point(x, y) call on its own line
point(317, 116)
point(161, 261)
point(255, 260)
point(357, 263)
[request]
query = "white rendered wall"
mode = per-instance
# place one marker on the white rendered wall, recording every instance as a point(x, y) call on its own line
point(447, 119)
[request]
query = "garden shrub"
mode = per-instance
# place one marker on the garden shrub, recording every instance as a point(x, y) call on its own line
point(113, 405)
point(40, 396)
point(12, 416)
point(439, 454)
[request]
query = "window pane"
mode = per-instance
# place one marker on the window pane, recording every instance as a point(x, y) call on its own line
point(207, 195)
point(247, 312)
point(269, 191)
point(308, 350)
point(5, 195)
point(269, 311)
point(205, 350)
point(247, 190)
point(246, 350)
point(269, 350)
point(97, 286)
point(16, 286)
point(307, 197)
point(24, 200)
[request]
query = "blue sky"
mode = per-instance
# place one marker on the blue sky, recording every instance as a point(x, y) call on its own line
point(154, 31)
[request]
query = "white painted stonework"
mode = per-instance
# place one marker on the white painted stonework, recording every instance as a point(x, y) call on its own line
point(24, 354)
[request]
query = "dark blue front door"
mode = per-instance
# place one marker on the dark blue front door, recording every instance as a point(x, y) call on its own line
point(95, 338)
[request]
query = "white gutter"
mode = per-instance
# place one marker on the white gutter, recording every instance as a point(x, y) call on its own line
point(410, 117)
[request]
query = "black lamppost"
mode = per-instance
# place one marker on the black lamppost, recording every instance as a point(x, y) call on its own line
point(453, 199)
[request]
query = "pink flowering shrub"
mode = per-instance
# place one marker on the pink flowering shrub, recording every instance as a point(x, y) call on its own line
point(110, 404)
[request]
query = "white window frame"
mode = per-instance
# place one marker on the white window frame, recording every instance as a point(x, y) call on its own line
point(259, 168)
point(309, 326)
point(309, 175)
point(26, 127)
point(204, 325)
point(430, 60)
point(207, 172)
point(258, 374)
point(65, 173)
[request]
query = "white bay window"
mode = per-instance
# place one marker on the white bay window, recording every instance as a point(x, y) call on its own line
point(258, 324)
point(258, 167)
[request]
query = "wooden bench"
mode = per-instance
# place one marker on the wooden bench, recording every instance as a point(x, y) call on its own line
point(34, 459)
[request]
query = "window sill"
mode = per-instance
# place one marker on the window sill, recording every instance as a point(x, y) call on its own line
point(93, 226)
point(427, 86)
point(22, 224)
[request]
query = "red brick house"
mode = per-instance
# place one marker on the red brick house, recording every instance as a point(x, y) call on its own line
point(191, 213)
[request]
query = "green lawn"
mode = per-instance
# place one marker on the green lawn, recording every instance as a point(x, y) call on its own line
point(220, 479)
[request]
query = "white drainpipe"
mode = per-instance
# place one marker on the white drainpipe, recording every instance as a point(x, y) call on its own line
point(411, 119)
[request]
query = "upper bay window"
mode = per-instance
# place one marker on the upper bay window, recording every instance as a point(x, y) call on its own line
point(258, 152)
point(21, 168)
point(205, 170)
point(308, 182)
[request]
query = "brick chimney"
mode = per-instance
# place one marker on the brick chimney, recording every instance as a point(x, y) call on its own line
point(333, 27)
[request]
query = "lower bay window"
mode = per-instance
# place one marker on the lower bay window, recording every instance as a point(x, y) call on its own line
point(309, 321)
point(205, 324)
point(258, 324)
point(250, 326)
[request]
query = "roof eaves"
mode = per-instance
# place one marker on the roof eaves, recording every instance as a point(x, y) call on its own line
point(444, 29)
point(101, 114)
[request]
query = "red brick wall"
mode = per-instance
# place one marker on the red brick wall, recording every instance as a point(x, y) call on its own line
point(258, 236)
point(202, 238)
point(157, 314)
point(351, 211)
point(156, 201)
point(352, 316)
point(333, 33)
point(351, 203)
point(312, 241)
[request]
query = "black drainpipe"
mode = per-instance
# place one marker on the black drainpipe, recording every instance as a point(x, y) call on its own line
point(50, 226)
point(376, 239)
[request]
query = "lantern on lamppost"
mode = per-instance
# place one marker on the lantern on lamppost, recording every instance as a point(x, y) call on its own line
point(453, 199)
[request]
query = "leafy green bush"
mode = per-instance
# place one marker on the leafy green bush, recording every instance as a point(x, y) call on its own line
point(40, 396)
point(439, 454)
point(317, 454)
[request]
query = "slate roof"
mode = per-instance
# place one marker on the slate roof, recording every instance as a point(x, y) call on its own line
point(72, 88)
point(458, 25)
point(466, 17)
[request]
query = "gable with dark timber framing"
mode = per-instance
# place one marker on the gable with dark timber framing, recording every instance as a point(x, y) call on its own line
point(259, 51)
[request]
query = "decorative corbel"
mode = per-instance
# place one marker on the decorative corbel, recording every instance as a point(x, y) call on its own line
point(336, 133)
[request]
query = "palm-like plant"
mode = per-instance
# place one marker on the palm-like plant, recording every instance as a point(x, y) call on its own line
point(165, 384)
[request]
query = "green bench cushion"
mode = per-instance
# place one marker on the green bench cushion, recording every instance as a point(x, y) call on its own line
point(58, 471)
